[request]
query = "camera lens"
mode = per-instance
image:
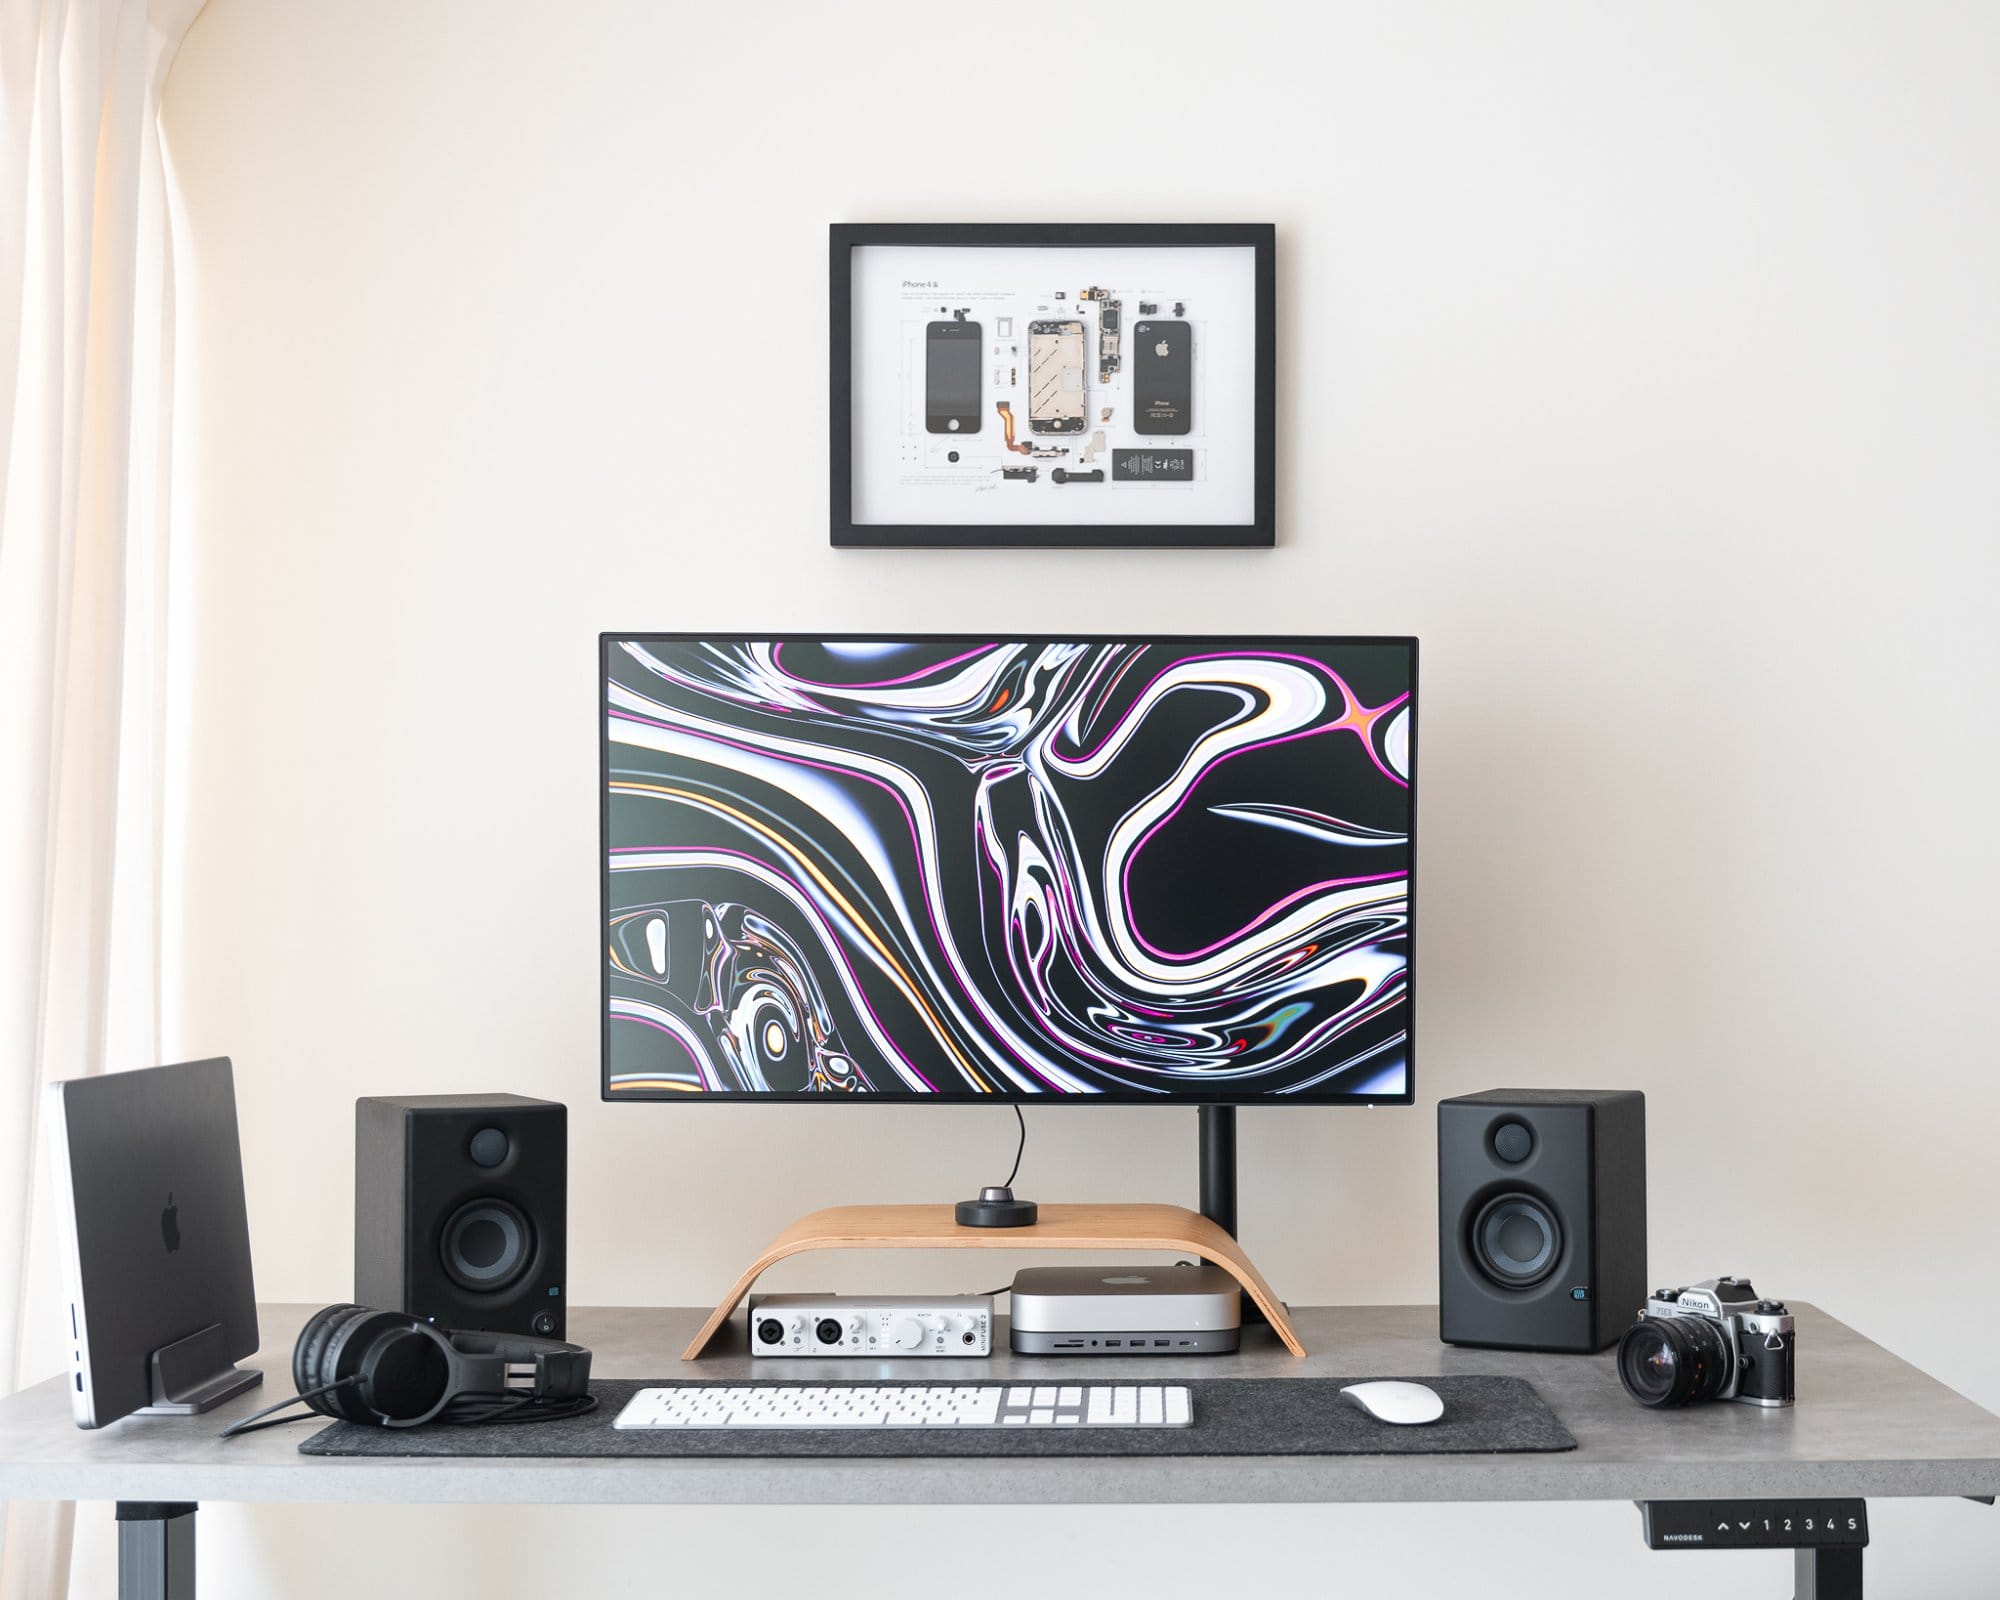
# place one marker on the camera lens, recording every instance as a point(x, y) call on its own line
point(1672, 1361)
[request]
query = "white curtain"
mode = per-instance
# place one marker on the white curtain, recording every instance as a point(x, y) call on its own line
point(86, 392)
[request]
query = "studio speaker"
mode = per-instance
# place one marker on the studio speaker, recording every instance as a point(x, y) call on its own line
point(459, 1207)
point(1541, 1217)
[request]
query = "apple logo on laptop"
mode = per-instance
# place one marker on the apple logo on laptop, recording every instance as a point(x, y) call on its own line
point(1130, 1277)
point(170, 1224)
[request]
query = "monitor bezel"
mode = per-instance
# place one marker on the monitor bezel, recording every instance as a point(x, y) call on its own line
point(606, 641)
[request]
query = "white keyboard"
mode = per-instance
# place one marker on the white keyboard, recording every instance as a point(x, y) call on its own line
point(908, 1405)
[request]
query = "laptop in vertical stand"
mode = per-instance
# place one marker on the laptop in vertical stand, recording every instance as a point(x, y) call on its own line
point(154, 1238)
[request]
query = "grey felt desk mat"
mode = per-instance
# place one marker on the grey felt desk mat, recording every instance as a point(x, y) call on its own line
point(1232, 1417)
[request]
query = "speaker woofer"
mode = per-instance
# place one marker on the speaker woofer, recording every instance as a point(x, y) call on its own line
point(487, 1245)
point(1516, 1240)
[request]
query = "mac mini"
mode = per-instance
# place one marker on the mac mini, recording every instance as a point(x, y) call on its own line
point(1182, 1310)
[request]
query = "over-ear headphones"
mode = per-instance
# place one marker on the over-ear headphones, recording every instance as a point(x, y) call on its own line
point(391, 1370)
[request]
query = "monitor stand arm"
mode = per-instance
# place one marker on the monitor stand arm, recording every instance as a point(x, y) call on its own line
point(1217, 1132)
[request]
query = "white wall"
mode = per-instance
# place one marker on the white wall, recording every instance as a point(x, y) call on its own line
point(1640, 359)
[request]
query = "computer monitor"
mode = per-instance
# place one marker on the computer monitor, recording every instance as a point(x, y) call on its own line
point(1158, 870)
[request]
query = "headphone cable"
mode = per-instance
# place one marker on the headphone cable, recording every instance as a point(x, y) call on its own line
point(256, 1419)
point(471, 1408)
point(465, 1409)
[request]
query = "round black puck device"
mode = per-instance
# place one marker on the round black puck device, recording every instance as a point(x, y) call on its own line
point(996, 1207)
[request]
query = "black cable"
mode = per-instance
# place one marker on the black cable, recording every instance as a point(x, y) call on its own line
point(255, 1420)
point(1013, 1173)
point(1023, 1145)
point(466, 1408)
point(472, 1408)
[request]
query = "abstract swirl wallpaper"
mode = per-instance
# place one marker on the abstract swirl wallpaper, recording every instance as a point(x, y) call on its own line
point(966, 868)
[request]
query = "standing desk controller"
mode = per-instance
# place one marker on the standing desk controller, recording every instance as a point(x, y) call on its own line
point(1755, 1524)
point(820, 1325)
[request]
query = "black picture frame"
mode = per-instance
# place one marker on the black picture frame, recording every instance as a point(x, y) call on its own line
point(1259, 532)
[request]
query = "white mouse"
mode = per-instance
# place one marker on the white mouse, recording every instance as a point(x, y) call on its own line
point(1401, 1403)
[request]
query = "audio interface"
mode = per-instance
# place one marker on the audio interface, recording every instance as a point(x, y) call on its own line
point(809, 1325)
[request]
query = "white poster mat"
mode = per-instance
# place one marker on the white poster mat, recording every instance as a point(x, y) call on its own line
point(903, 472)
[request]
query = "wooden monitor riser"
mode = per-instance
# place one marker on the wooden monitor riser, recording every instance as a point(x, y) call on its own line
point(1061, 1227)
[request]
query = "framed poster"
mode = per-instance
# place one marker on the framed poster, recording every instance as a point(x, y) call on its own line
point(1064, 384)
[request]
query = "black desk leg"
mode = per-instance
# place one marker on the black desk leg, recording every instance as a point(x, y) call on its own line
point(1827, 1573)
point(155, 1550)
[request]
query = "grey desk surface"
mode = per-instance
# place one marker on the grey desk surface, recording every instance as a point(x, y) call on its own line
point(1867, 1424)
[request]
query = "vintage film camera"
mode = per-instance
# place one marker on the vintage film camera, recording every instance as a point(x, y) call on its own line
point(1711, 1341)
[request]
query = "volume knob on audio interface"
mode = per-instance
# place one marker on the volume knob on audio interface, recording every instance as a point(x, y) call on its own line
point(906, 1333)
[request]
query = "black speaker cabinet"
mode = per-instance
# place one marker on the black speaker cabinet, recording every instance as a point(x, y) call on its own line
point(1541, 1217)
point(459, 1207)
